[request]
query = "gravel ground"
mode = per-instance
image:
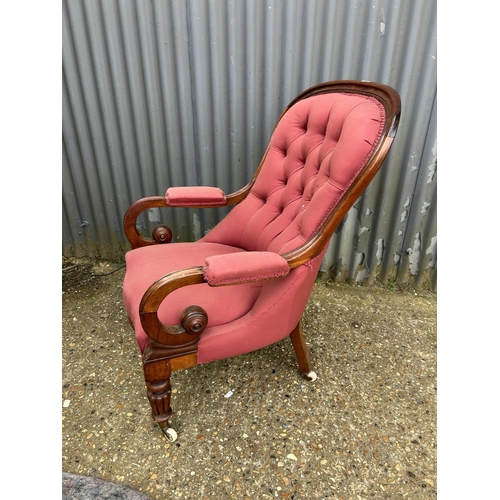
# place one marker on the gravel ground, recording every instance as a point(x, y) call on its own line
point(366, 428)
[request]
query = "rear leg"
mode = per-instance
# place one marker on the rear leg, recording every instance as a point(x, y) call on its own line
point(302, 352)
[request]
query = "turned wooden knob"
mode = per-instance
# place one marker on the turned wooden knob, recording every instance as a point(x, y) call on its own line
point(162, 234)
point(194, 319)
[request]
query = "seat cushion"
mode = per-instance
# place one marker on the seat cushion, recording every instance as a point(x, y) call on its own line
point(145, 265)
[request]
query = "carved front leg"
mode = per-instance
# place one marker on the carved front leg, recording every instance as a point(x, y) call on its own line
point(157, 375)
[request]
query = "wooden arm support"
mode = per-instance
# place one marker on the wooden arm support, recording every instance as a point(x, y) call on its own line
point(170, 347)
point(193, 320)
point(162, 233)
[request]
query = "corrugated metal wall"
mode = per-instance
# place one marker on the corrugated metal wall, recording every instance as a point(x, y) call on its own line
point(161, 93)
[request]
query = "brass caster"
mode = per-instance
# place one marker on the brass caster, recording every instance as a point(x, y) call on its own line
point(310, 376)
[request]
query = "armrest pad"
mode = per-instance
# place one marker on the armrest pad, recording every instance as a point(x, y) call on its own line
point(244, 267)
point(194, 196)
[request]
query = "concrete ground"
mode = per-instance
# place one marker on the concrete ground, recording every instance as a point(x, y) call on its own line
point(251, 427)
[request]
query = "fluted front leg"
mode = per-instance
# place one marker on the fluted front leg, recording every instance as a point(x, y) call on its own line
point(157, 375)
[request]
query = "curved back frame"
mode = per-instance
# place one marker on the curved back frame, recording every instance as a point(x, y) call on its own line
point(313, 133)
point(391, 101)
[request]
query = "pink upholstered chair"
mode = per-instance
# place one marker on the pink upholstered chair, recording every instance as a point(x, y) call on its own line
point(245, 284)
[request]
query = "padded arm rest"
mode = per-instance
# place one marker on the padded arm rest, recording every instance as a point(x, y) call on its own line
point(195, 196)
point(244, 267)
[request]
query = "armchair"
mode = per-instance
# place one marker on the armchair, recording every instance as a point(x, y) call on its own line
point(245, 284)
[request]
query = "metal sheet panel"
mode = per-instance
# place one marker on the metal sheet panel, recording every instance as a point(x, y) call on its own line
point(160, 93)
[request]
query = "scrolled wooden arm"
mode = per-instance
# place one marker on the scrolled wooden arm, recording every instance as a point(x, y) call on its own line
point(130, 222)
point(193, 320)
point(163, 234)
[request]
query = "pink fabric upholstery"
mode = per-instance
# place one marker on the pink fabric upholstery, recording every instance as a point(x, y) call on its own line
point(274, 315)
point(244, 267)
point(317, 150)
point(147, 264)
point(194, 195)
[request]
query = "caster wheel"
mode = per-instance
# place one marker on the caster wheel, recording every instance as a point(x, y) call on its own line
point(311, 376)
point(170, 434)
